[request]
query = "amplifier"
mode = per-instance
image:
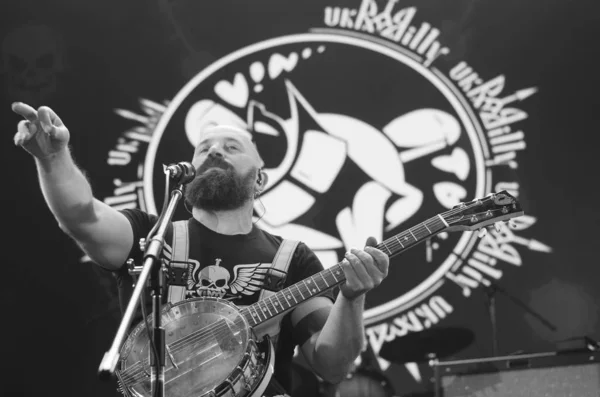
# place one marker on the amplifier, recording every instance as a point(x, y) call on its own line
point(549, 374)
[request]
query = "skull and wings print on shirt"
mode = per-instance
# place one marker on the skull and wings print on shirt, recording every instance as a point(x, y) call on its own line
point(218, 281)
point(218, 265)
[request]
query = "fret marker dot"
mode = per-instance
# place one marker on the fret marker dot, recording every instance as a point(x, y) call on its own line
point(406, 238)
point(314, 291)
point(276, 303)
point(308, 281)
point(289, 297)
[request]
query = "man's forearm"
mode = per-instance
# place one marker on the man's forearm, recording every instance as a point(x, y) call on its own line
point(66, 190)
point(341, 339)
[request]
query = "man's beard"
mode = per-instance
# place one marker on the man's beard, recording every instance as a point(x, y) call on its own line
point(219, 189)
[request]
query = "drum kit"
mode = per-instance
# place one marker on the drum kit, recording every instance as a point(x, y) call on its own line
point(367, 379)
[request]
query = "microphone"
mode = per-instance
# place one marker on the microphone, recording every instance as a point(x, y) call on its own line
point(183, 172)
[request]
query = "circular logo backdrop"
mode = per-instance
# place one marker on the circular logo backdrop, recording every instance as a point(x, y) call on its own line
point(359, 139)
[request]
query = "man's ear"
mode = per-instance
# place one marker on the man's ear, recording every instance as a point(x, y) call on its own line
point(262, 179)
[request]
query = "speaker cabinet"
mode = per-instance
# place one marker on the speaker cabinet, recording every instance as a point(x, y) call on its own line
point(532, 375)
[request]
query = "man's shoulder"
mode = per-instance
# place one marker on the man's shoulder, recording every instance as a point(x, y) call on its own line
point(301, 252)
point(274, 238)
point(278, 240)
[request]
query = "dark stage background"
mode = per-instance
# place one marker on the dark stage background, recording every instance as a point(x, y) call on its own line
point(85, 59)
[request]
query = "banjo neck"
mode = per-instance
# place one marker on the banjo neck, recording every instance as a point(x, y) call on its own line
point(288, 298)
point(471, 216)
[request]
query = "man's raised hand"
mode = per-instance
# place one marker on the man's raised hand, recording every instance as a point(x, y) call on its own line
point(42, 133)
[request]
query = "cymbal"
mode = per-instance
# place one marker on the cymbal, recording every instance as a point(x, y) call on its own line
point(417, 346)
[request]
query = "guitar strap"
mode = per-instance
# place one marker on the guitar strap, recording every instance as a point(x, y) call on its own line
point(179, 267)
point(280, 264)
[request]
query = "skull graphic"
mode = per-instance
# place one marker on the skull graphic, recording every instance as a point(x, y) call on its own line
point(214, 281)
point(32, 59)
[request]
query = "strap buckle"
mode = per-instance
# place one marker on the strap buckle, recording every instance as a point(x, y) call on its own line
point(178, 273)
point(274, 279)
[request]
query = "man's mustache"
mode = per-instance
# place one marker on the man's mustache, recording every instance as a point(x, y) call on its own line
point(212, 162)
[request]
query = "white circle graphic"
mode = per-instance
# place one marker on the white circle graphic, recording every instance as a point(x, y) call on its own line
point(466, 116)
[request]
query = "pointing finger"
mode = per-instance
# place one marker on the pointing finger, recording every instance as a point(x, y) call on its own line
point(25, 111)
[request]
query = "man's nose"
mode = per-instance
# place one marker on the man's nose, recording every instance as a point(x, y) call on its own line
point(215, 151)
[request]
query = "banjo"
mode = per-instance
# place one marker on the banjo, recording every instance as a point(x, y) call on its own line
point(213, 347)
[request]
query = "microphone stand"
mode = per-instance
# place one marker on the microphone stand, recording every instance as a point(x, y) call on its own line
point(490, 291)
point(151, 268)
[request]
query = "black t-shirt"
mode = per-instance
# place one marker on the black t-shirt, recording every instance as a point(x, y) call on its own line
point(223, 266)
